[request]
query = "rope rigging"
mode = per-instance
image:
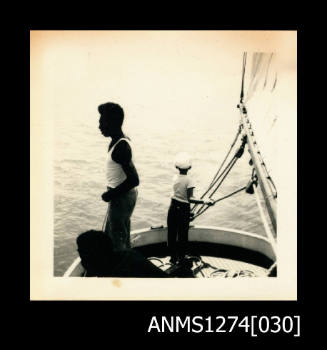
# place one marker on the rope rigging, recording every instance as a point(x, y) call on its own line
point(270, 182)
point(195, 213)
point(269, 234)
point(216, 178)
point(222, 164)
point(105, 220)
point(217, 200)
point(220, 176)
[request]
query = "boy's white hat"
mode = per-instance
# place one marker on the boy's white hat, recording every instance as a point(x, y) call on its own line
point(183, 160)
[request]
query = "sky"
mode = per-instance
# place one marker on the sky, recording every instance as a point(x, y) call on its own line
point(166, 75)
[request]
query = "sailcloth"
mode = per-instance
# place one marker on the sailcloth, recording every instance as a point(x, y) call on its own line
point(270, 97)
point(261, 83)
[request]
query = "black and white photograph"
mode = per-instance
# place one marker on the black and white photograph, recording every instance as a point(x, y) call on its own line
point(163, 164)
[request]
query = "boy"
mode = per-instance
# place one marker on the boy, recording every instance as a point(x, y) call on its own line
point(179, 210)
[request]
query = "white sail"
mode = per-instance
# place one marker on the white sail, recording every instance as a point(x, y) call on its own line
point(260, 91)
point(268, 102)
point(270, 99)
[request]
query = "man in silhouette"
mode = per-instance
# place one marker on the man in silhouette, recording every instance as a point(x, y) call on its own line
point(121, 174)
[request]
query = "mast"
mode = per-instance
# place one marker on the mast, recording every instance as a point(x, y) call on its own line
point(259, 165)
point(258, 162)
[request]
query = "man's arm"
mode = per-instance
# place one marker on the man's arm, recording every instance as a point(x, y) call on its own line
point(122, 154)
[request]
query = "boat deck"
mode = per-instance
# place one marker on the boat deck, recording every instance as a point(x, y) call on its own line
point(212, 252)
point(198, 267)
point(209, 266)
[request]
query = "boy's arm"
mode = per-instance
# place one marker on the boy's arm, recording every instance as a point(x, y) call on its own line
point(122, 154)
point(191, 199)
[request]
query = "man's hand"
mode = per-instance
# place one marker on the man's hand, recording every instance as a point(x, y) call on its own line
point(107, 196)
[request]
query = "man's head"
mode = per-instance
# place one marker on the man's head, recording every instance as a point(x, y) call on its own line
point(111, 119)
point(95, 249)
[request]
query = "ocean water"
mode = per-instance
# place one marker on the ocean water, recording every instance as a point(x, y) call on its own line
point(157, 135)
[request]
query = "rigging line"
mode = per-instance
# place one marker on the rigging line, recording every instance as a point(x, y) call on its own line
point(264, 221)
point(271, 183)
point(214, 191)
point(105, 220)
point(220, 199)
point(226, 170)
point(228, 153)
point(215, 179)
point(230, 168)
point(231, 194)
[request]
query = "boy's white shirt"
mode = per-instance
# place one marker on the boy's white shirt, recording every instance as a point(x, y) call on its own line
point(180, 185)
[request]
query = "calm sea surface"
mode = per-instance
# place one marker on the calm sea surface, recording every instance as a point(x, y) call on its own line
point(79, 170)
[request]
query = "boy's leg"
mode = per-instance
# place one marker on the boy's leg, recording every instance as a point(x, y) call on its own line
point(172, 234)
point(183, 234)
